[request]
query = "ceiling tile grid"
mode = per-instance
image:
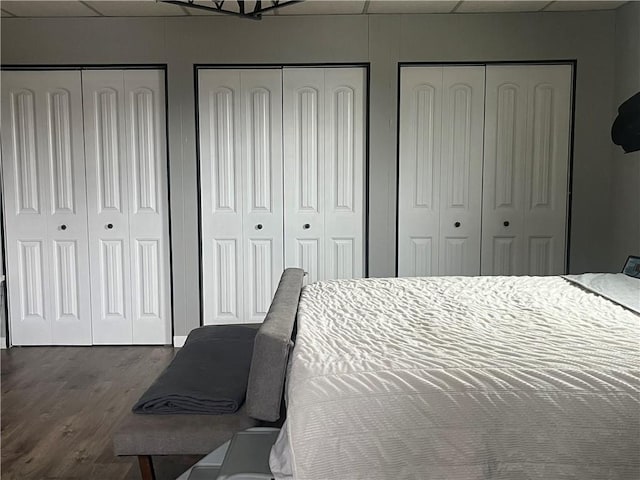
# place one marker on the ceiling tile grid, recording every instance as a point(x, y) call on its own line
point(153, 8)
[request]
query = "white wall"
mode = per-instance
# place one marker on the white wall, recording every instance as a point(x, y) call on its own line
point(382, 40)
point(625, 179)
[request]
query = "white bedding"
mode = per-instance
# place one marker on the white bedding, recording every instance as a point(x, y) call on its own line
point(617, 287)
point(461, 378)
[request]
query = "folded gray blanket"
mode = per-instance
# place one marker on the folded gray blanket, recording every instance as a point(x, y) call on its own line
point(207, 376)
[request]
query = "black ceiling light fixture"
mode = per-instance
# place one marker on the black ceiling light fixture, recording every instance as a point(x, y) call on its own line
point(239, 8)
point(626, 127)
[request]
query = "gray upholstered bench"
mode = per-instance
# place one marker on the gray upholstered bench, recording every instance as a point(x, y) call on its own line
point(147, 435)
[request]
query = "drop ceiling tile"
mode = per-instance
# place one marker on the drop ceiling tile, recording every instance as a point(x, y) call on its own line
point(139, 8)
point(143, 8)
point(323, 7)
point(47, 9)
point(482, 6)
point(403, 6)
point(565, 6)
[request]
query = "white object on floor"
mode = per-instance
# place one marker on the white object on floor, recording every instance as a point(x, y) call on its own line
point(248, 455)
point(213, 459)
point(247, 449)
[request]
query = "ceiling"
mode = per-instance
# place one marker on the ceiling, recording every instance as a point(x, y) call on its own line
point(152, 8)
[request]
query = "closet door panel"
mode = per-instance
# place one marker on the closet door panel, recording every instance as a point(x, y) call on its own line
point(504, 171)
point(24, 176)
point(71, 294)
point(148, 210)
point(547, 160)
point(108, 204)
point(45, 208)
point(221, 175)
point(344, 172)
point(304, 170)
point(241, 179)
point(525, 173)
point(261, 107)
point(27, 284)
point(419, 183)
point(21, 164)
point(68, 244)
point(461, 170)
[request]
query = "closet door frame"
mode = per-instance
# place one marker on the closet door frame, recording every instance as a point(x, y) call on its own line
point(165, 171)
point(258, 66)
point(573, 63)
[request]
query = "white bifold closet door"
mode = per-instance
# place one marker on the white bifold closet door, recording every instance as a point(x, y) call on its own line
point(124, 120)
point(324, 139)
point(240, 115)
point(258, 217)
point(526, 157)
point(490, 202)
point(440, 184)
point(45, 208)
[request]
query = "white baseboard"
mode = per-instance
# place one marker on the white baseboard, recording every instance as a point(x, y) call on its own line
point(3, 343)
point(178, 341)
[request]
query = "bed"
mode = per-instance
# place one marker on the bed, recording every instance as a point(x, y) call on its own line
point(464, 378)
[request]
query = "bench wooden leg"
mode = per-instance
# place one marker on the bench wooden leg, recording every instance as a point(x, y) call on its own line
point(146, 467)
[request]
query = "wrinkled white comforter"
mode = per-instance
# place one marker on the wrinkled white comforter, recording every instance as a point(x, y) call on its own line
point(461, 378)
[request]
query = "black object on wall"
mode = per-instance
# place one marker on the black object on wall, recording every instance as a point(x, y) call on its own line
point(626, 127)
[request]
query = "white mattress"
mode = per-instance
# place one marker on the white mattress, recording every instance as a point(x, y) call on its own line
point(461, 378)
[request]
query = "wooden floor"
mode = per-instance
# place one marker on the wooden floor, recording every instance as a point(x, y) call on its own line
point(60, 406)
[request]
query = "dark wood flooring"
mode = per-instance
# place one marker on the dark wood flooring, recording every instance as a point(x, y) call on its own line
point(61, 405)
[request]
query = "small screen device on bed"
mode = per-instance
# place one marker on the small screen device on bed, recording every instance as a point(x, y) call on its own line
point(632, 266)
